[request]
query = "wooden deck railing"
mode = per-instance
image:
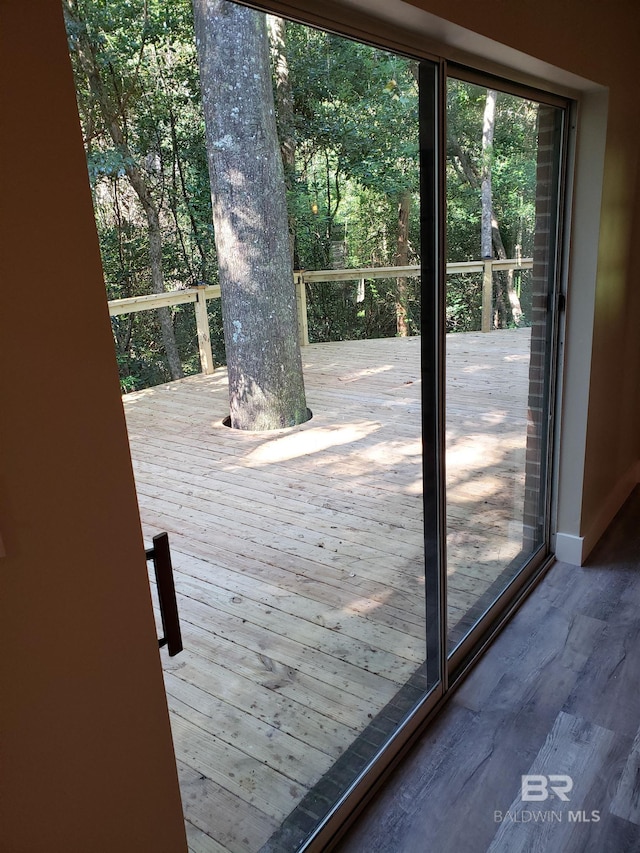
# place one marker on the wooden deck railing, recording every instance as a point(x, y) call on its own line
point(199, 295)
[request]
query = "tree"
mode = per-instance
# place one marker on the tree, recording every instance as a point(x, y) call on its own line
point(490, 232)
point(111, 100)
point(490, 162)
point(266, 387)
point(486, 188)
point(349, 101)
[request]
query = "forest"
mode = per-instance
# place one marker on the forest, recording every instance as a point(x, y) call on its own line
point(346, 117)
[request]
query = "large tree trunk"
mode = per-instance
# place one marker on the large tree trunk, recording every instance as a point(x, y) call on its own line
point(490, 232)
point(402, 260)
point(266, 388)
point(113, 123)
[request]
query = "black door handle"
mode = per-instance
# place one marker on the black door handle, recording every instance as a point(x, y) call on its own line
point(161, 557)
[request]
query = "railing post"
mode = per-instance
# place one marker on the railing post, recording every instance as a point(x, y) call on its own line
point(202, 324)
point(487, 295)
point(301, 304)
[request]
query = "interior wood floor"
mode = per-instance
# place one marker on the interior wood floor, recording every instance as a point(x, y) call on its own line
point(557, 693)
point(298, 559)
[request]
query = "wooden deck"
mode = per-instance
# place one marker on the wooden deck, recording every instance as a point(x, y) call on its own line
point(298, 559)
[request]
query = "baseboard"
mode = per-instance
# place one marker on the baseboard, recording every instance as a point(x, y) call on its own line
point(569, 549)
point(575, 549)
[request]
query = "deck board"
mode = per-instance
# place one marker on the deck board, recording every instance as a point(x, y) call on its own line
point(298, 559)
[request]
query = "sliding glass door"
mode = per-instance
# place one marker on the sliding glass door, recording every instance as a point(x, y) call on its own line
point(504, 155)
point(378, 453)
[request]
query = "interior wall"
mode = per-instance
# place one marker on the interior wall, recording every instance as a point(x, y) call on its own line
point(611, 468)
point(87, 759)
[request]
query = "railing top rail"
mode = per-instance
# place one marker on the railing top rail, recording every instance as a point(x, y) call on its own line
point(512, 264)
point(461, 267)
point(161, 300)
point(357, 273)
point(152, 301)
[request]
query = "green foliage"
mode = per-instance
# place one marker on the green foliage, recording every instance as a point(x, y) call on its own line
point(148, 70)
point(352, 169)
point(513, 166)
point(349, 101)
point(464, 303)
point(355, 129)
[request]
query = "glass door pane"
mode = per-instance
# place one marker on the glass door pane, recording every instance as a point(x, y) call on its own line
point(503, 166)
